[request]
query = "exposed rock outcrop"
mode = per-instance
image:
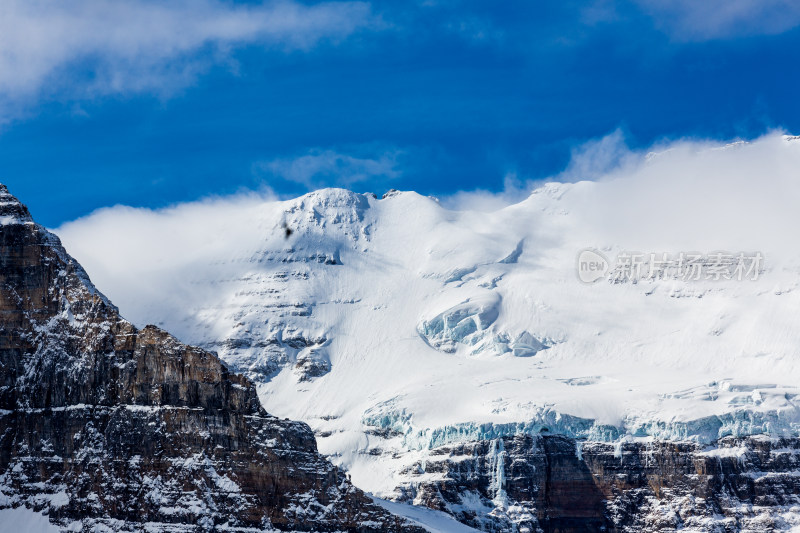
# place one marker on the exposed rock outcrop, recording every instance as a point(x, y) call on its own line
point(105, 424)
point(556, 484)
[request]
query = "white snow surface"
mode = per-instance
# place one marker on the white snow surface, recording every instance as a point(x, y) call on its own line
point(433, 521)
point(442, 324)
point(23, 520)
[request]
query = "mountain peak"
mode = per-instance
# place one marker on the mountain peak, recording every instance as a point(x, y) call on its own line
point(121, 414)
point(12, 211)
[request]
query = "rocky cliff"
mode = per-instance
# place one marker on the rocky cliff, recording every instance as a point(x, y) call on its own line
point(106, 425)
point(555, 484)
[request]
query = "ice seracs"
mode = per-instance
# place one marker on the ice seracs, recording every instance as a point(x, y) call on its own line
point(468, 324)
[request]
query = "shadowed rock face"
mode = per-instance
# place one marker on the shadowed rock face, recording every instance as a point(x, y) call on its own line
point(105, 424)
point(554, 484)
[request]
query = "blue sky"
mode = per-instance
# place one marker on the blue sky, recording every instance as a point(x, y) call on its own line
point(151, 104)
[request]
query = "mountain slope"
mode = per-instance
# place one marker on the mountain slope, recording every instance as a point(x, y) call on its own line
point(396, 326)
point(104, 425)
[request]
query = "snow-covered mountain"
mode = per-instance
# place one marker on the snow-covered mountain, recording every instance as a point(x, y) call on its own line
point(105, 427)
point(395, 325)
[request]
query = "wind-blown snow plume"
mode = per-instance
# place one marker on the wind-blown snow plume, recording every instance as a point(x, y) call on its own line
point(399, 324)
point(688, 194)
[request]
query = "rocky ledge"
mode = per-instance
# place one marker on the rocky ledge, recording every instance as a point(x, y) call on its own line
point(554, 484)
point(103, 425)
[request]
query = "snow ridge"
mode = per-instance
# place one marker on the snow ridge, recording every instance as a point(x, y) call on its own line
point(396, 325)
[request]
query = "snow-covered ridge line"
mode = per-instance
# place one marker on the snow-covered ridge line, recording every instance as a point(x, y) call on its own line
point(430, 325)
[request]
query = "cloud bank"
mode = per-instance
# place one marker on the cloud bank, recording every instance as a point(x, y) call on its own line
point(100, 47)
point(678, 195)
point(703, 195)
point(139, 257)
point(684, 195)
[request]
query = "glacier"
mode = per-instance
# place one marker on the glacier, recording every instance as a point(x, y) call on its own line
point(469, 324)
point(395, 325)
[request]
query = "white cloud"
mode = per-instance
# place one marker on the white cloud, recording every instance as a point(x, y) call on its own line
point(592, 160)
point(513, 191)
point(597, 158)
point(700, 20)
point(678, 195)
point(690, 196)
point(167, 242)
point(321, 168)
point(97, 47)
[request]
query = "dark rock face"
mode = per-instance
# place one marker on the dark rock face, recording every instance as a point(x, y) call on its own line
point(554, 484)
point(102, 424)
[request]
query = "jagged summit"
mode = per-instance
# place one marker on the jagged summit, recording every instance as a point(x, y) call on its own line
point(313, 212)
point(12, 211)
point(107, 426)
